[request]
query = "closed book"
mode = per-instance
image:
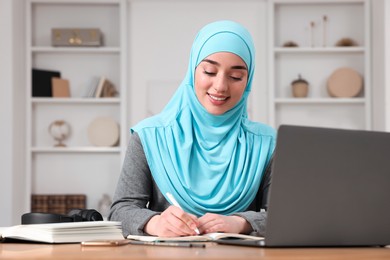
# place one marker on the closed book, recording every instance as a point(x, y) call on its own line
point(109, 90)
point(60, 87)
point(69, 232)
point(99, 89)
point(91, 89)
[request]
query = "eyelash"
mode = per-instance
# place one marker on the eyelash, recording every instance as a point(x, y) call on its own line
point(213, 74)
point(209, 73)
point(236, 79)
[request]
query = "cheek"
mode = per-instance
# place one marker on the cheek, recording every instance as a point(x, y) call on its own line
point(202, 83)
point(239, 90)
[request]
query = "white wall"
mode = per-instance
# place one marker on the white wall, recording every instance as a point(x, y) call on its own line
point(387, 64)
point(11, 112)
point(378, 64)
point(6, 102)
point(160, 38)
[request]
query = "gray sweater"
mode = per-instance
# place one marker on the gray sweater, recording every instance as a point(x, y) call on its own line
point(137, 197)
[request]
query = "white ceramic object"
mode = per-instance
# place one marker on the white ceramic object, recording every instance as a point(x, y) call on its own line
point(103, 131)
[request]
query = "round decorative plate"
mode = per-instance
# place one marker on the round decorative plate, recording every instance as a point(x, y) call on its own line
point(345, 82)
point(103, 131)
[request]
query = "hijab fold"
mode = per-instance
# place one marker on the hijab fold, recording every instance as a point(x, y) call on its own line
point(209, 163)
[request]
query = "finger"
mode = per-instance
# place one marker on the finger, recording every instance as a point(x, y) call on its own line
point(205, 226)
point(212, 223)
point(194, 220)
point(206, 218)
point(188, 224)
point(181, 221)
point(171, 222)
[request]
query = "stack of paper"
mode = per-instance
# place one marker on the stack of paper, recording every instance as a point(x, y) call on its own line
point(70, 232)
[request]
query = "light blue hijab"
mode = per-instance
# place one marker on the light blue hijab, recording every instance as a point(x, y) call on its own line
point(209, 163)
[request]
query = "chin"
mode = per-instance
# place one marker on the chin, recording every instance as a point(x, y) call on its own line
point(215, 112)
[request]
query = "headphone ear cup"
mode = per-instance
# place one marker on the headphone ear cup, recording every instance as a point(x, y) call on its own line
point(92, 215)
point(85, 215)
point(75, 215)
point(74, 212)
point(76, 218)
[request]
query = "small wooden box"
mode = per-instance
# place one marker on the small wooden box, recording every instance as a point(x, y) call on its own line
point(76, 37)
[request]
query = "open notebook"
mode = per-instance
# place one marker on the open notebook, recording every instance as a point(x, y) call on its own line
point(200, 238)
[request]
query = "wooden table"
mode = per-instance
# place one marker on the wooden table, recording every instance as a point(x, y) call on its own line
point(212, 251)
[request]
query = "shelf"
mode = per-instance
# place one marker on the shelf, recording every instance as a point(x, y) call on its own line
point(85, 149)
point(49, 49)
point(72, 101)
point(319, 50)
point(316, 27)
point(47, 167)
point(320, 101)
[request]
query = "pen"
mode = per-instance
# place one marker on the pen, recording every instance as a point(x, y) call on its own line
point(175, 203)
point(160, 243)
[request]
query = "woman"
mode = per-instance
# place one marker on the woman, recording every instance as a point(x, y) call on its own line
point(201, 148)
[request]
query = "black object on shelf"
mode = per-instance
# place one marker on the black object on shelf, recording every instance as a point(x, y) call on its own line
point(41, 82)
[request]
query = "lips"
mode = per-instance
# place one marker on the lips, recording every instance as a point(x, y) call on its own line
point(217, 98)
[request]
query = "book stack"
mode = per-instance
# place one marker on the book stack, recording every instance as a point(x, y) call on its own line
point(69, 232)
point(57, 203)
point(100, 87)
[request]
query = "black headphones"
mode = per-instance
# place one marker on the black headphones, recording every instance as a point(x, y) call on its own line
point(75, 215)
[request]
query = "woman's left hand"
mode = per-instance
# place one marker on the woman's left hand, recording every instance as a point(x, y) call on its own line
point(210, 223)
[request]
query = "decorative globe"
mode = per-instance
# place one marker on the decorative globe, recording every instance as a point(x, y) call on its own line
point(60, 131)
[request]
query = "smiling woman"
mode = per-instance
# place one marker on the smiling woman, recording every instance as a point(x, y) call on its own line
point(201, 148)
point(220, 81)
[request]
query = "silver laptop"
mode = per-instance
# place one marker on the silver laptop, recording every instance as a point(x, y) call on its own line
point(330, 187)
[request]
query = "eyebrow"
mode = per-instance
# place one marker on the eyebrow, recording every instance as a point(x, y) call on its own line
point(239, 67)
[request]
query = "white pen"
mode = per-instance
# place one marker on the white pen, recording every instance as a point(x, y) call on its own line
point(175, 203)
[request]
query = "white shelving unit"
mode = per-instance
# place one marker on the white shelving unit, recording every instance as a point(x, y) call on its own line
point(315, 58)
point(79, 167)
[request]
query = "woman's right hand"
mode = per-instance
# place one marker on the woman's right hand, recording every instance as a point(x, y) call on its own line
point(172, 222)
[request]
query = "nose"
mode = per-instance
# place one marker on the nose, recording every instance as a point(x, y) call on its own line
point(220, 84)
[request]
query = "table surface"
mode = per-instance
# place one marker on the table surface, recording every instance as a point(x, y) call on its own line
point(211, 251)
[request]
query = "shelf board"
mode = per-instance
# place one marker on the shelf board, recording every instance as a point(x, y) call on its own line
point(311, 2)
point(72, 49)
point(319, 49)
point(76, 2)
point(320, 100)
point(50, 100)
point(78, 149)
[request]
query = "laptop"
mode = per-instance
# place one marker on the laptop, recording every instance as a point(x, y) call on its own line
point(330, 188)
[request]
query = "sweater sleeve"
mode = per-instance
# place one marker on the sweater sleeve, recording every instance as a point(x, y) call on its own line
point(134, 191)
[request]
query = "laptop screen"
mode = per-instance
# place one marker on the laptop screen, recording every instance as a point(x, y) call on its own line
point(330, 187)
